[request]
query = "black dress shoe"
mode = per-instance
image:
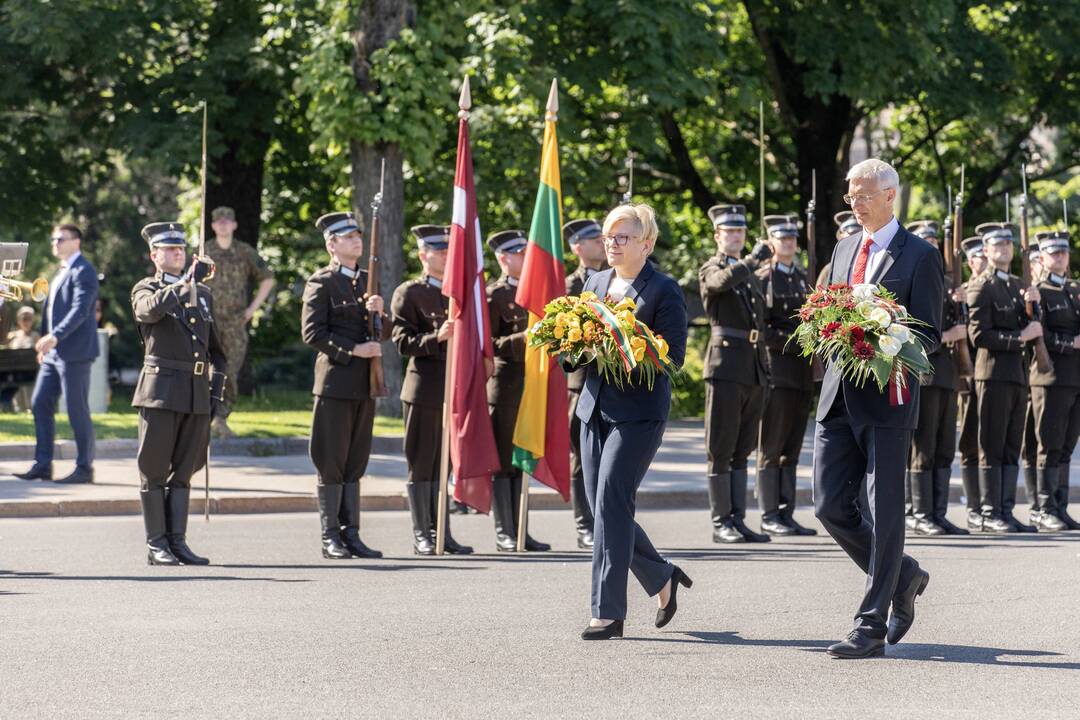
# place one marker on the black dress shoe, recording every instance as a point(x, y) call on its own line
point(532, 545)
point(727, 533)
point(611, 630)
point(773, 525)
point(926, 526)
point(903, 606)
point(997, 525)
point(423, 544)
point(585, 539)
point(794, 525)
point(1064, 516)
point(664, 614)
point(948, 527)
point(856, 646)
point(184, 554)
point(909, 522)
point(79, 476)
point(453, 547)
point(750, 535)
point(1047, 522)
point(505, 543)
point(975, 521)
point(351, 540)
point(159, 553)
point(37, 472)
point(1018, 526)
point(334, 549)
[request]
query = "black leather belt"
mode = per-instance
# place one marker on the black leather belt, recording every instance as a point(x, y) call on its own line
point(751, 336)
point(195, 368)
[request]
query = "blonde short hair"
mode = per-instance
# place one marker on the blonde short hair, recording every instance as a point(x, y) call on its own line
point(883, 172)
point(640, 215)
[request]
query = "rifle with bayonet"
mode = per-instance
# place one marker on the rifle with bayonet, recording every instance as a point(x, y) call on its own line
point(1042, 357)
point(954, 267)
point(376, 381)
point(817, 369)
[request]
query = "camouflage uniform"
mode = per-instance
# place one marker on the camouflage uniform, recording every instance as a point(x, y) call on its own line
point(236, 271)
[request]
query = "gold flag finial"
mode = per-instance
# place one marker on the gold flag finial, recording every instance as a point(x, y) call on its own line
point(464, 100)
point(553, 101)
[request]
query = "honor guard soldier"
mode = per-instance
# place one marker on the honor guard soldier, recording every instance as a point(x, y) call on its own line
point(933, 443)
point(791, 382)
point(181, 382)
point(999, 330)
point(968, 444)
point(735, 369)
point(334, 322)
point(585, 238)
point(420, 331)
point(1029, 449)
point(1055, 396)
point(509, 321)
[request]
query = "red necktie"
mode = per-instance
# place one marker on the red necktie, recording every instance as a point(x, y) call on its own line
point(858, 273)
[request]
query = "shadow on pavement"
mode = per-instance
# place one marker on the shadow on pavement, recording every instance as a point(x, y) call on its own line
point(962, 654)
point(141, 578)
point(346, 565)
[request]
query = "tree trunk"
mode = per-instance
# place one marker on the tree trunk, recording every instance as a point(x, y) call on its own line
point(377, 23)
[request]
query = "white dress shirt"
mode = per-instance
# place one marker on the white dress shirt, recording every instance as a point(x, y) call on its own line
point(54, 286)
point(879, 244)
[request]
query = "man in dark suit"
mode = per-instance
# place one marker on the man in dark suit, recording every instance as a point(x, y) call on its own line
point(66, 350)
point(863, 433)
point(585, 237)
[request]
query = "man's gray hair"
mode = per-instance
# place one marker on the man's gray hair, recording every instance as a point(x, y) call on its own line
point(882, 171)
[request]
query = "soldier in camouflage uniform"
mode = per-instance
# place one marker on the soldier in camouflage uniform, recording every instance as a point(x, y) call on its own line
point(239, 266)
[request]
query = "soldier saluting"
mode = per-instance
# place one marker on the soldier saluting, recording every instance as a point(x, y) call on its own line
point(791, 383)
point(735, 374)
point(182, 379)
point(508, 324)
point(334, 321)
point(420, 331)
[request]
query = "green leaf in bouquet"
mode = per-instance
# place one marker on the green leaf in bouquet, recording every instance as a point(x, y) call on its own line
point(913, 355)
point(882, 368)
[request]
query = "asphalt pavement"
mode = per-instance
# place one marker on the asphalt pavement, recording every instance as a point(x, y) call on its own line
point(273, 630)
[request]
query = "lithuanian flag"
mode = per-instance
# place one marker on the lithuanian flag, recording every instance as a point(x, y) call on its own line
point(542, 432)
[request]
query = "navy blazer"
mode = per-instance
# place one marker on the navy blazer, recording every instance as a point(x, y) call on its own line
point(912, 270)
point(662, 306)
point(75, 326)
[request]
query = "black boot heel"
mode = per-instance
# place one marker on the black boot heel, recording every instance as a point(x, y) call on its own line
point(664, 614)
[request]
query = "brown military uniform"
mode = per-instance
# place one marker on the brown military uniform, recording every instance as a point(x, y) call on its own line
point(933, 443)
point(417, 310)
point(173, 393)
point(996, 319)
point(334, 320)
point(791, 386)
point(1055, 395)
point(583, 517)
point(236, 271)
point(736, 379)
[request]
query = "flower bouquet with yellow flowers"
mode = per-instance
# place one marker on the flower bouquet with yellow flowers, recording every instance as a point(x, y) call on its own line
point(580, 329)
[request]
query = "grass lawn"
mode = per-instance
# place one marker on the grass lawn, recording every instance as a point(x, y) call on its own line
point(278, 413)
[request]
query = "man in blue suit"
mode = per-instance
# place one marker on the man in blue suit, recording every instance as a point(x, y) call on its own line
point(66, 350)
point(862, 433)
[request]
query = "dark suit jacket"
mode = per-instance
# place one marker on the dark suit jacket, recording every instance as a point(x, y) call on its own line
point(662, 306)
point(74, 324)
point(912, 270)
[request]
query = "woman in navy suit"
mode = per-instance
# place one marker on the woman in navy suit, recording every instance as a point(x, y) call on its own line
point(621, 429)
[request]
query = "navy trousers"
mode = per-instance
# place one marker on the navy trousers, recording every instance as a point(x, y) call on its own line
point(73, 379)
point(614, 459)
point(845, 454)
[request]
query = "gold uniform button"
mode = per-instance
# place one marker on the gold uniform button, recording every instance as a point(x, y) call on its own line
point(196, 354)
point(193, 337)
point(191, 320)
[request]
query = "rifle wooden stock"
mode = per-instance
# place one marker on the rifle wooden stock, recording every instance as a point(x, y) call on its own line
point(961, 354)
point(376, 381)
point(1042, 357)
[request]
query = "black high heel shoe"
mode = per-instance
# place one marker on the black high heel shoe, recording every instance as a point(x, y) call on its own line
point(664, 614)
point(611, 630)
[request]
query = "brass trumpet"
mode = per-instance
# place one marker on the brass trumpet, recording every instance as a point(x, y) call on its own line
point(14, 290)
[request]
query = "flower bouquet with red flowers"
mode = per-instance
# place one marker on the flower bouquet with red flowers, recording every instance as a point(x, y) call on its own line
point(863, 331)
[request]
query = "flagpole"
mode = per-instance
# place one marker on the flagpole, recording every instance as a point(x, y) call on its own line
point(464, 103)
point(552, 115)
